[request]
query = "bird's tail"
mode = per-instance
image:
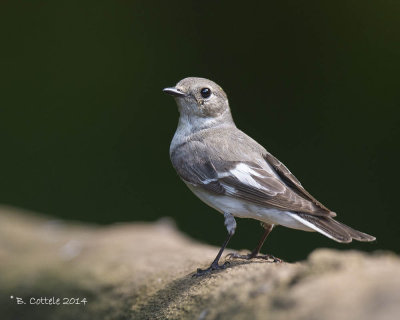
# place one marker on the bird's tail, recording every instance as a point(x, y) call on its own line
point(331, 228)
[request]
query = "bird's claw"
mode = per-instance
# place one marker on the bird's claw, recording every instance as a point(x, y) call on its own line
point(213, 267)
point(254, 256)
point(268, 257)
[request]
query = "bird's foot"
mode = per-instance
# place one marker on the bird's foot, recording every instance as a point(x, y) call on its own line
point(250, 256)
point(214, 266)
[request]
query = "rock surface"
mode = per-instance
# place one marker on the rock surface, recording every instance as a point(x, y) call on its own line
point(144, 271)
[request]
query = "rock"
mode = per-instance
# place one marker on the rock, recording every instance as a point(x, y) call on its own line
point(144, 271)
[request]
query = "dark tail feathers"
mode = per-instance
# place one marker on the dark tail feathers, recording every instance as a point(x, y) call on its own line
point(333, 229)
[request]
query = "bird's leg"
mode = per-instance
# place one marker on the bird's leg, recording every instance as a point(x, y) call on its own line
point(230, 224)
point(255, 253)
point(267, 229)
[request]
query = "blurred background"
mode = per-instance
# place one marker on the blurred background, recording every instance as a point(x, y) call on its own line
point(85, 128)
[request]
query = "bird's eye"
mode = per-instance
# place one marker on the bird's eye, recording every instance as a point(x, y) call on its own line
point(205, 93)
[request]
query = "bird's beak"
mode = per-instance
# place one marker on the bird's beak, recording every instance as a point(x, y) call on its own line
point(174, 92)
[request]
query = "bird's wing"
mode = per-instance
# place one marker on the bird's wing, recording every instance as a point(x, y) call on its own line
point(285, 174)
point(247, 181)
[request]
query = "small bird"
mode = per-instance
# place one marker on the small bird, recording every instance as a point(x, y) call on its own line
point(235, 175)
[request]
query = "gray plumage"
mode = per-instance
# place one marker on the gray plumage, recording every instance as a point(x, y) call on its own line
point(234, 174)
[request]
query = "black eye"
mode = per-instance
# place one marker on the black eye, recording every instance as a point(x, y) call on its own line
point(205, 93)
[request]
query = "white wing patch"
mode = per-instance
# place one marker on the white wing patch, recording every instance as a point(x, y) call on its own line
point(245, 174)
point(207, 181)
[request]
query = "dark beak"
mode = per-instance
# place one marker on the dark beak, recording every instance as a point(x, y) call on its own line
point(174, 92)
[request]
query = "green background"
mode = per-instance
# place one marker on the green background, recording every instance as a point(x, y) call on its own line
point(85, 129)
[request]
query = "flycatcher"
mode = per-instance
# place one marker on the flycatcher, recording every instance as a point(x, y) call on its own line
point(235, 175)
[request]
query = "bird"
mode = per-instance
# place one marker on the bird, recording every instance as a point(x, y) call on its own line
point(235, 175)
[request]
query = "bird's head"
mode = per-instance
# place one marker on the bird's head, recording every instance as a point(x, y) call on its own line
point(200, 98)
